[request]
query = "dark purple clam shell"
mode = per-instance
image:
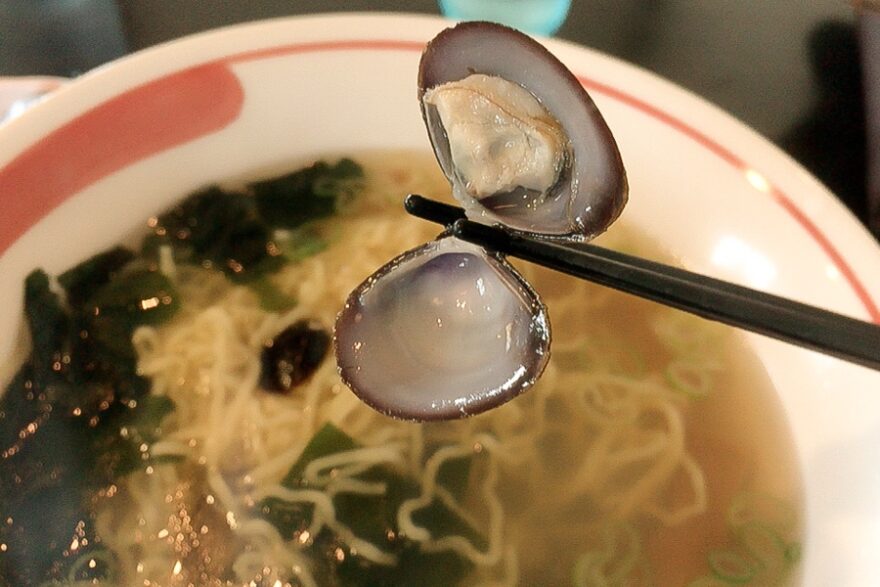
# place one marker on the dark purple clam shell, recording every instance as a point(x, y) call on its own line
point(592, 190)
point(443, 331)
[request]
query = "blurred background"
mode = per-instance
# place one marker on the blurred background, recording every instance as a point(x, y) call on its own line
point(789, 68)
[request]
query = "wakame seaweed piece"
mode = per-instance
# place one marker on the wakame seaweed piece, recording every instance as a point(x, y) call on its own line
point(374, 518)
point(49, 326)
point(82, 281)
point(247, 252)
point(455, 474)
point(333, 560)
point(307, 194)
point(293, 355)
point(438, 519)
point(46, 456)
point(290, 518)
point(49, 474)
point(201, 219)
point(53, 355)
point(40, 445)
point(102, 369)
point(56, 361)
point(326, 441)
point(137, 298)
point(376, 521)
point(60, 426)
point(130, 300)
point(85, 360)
point(221, 228)
point(104, 372)
point(44, 526)
point(119, 455)
point(414, 568)
point(19, 405)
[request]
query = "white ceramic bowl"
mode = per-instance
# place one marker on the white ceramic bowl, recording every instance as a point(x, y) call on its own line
point(81, 170)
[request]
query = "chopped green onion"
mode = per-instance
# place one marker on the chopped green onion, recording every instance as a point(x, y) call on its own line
point(793, 552)
point(689, 379)
point(708, 581)
point(771, 511)
point(299, 244)
point(622, 548)
point(730, 566)
point(272, 299)
point(766, 547)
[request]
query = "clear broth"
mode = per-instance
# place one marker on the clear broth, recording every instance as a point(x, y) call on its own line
point(560, 522)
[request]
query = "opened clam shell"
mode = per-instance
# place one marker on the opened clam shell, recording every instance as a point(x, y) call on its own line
point(443, 331)
point(517, 135)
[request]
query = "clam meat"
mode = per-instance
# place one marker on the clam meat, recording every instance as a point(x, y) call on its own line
point(443, 331)
point(500, 137)
point(516, 134)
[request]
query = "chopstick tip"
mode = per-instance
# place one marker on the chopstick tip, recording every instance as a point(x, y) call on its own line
point(428, 209)
point(412, 202)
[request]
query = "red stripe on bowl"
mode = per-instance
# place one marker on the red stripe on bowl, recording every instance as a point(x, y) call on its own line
point(323, 46)
point(140, 122)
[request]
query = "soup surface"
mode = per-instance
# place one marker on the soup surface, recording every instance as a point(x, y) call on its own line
point(179, 421)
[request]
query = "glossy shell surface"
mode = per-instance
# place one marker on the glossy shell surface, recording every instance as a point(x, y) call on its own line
point(591, 189)
point(443, 331)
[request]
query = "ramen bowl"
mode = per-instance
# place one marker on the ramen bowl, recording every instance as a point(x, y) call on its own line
point(83, 169)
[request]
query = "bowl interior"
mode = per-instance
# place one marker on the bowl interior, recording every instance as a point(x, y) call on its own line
point(124, 142)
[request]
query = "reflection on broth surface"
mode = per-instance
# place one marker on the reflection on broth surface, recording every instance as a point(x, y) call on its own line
point(652, 452)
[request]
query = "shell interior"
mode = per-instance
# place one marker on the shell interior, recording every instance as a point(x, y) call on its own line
point(445, 330)
point(591, 188)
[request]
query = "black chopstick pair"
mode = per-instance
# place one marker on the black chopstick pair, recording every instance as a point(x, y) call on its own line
point(801, 324)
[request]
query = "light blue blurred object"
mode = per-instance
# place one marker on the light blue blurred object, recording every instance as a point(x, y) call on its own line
point(540, 17)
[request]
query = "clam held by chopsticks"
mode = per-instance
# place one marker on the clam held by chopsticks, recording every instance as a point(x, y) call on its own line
point(517, 135)
point(449, 329)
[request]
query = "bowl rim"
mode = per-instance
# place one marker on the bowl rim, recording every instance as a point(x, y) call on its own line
point(803, 198)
